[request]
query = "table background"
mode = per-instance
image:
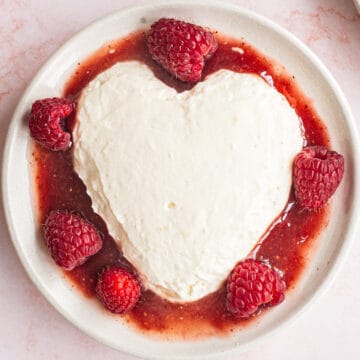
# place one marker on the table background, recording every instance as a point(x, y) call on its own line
point(30, 30)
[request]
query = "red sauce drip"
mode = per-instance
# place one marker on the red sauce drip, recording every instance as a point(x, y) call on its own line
point(285, 244)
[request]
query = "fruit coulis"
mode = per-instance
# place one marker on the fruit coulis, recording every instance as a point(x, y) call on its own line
point(285, 244)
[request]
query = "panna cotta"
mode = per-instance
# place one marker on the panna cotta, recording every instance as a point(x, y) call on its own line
point(188, 182)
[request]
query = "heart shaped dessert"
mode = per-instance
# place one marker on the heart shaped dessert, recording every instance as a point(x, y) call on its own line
point(186, 182)
point(185, 200)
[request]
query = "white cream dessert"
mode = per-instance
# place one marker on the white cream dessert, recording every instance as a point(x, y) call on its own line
point(188, 182)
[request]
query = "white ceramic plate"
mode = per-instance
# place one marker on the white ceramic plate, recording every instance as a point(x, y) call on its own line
point(357, 4)
point(313, 78)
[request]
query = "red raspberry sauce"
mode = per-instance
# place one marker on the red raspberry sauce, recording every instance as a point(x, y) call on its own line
point(285, 243)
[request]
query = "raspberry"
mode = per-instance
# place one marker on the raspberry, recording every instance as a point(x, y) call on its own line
point(47, 122)
point(253, 284)
point(181, 48)
point(118, 289)
point(317, 173)
point(70, 239)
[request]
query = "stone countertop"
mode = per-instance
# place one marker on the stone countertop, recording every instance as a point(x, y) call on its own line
point(30, 30)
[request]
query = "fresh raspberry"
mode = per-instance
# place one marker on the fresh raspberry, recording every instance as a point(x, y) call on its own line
point(118, 289)
point(70, 239)
point(47, 122)
point(251, 285)
point(181, 48)
point(317, 173)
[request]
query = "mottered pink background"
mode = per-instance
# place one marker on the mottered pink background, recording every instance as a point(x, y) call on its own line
point(30, 328)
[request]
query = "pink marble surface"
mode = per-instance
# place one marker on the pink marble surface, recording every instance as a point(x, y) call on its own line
point(30, 30)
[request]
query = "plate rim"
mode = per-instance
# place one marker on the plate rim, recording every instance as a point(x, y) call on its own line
point(349, 119)
point(357, 5)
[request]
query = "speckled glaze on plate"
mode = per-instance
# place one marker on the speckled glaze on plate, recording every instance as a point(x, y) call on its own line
point(316, 83)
